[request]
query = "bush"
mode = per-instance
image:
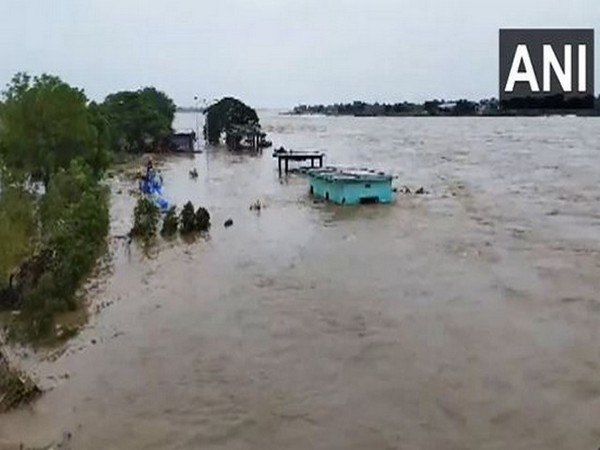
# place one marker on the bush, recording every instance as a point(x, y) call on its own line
point(191, 221)
point(170, 223)
point(187, 219)
point(146, 217)
point(202, 219)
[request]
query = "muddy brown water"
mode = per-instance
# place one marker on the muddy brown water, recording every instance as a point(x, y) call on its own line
point(467, 318)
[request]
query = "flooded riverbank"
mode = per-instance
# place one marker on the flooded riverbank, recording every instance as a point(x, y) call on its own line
point(465, 318)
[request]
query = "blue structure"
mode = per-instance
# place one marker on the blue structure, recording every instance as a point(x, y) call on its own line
point(351, 186)
point(151, 185)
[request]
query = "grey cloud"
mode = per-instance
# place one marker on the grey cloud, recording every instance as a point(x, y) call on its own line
point(275, 52)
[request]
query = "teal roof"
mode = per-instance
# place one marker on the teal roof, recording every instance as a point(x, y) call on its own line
point(346, 175)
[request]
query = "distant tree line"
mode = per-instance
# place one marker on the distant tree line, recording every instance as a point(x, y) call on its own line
point(461, 107)
point(431, 107)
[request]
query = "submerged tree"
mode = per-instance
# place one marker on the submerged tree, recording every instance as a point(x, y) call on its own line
point(226, 115)
point(187, 220)
point(146, 217)
point(170, 222)
point(191, 221)
point(202, 219)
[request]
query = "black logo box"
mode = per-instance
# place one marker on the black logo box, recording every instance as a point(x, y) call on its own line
point(534, 39)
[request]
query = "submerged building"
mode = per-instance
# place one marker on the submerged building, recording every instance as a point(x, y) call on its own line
point(182, 142)
point(351, 186)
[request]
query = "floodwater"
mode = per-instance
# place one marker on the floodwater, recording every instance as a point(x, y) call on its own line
point(467, 318)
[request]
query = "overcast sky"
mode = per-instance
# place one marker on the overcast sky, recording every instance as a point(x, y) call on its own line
point(275, 53)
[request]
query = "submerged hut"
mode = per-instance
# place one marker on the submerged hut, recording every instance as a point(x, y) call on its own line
point(246, 137)
point(182, 141)
point(351, 186)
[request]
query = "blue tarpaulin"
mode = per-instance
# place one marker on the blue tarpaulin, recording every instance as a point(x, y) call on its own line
point(151, 185)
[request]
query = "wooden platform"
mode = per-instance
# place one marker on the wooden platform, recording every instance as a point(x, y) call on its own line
point(286, 157)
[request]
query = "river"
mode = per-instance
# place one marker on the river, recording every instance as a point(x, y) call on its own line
point(466, 318)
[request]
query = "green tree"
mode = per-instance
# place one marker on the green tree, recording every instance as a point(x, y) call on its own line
point(74, 219)
point(146, 217)
point(139, 120)
point(170, 222)
point(17, 227)
point(225, 115)
point(102, 156)
point(44, 124)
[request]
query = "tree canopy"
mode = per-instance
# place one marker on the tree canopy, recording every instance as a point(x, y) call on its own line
point(140, 120)
point(225, 115)
point(44, 124)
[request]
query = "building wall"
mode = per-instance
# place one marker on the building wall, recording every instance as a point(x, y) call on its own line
point(352, 193)
point(317, 187)
point(183, 143)
point(326, 190)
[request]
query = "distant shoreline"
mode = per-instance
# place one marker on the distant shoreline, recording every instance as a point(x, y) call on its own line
point(309, 111)
point(456, 108)
point(506, 114)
